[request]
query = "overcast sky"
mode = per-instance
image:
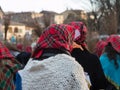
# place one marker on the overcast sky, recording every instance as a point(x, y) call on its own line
point(39, 5)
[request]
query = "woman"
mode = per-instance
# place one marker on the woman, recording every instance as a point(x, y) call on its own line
point(8, 68)
point(99, 48)
point(19, 55)
point(89, 61)
point(110, 61)
point(51, 66)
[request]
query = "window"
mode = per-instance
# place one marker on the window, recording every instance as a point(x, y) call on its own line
point(16, 30)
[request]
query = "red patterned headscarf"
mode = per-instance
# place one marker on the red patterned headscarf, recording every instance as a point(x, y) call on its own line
point(4, 52)
point(8, 67)
point(115, 41)
point(100, 47)
point(57, 36)
point(28, 49)
point(80, 32)
point(20, 47)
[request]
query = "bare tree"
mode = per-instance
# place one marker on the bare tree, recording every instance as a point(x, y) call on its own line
point(106, 21)
point(117, 8)
point(37, 28)
point(46, 20)
point(6, 24)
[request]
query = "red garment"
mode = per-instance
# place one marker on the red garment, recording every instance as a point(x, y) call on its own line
point(4, 52)
point(20, 47)
point(28, 49)
point(115, 41)
point(80, 26)
point(100, 47)
point(8, 67)
point(55, 36)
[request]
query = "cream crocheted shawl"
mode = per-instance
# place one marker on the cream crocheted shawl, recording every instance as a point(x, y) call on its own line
point(60, 72)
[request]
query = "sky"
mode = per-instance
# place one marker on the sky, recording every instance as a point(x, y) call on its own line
point(39, 5)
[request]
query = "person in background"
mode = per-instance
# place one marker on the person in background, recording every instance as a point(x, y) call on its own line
point(88, 61)
point(27, 39)
point(28, 49)
point(110, 61)
point(20, 47)
point(8, 68)
point(51, 66)
point(18, 54)
point(99, 48)
point(12, 48)
point(13, 39)
point(23, 58)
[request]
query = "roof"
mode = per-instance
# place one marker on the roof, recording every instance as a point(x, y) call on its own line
point(48, 12)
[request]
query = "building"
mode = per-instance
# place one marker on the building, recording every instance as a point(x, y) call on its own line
point(1, 13)
point(27, 18)
point(70, 15)
point(59, 19)
point(48, 17)
point(16, 29)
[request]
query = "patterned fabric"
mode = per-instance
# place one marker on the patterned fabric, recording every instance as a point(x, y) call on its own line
point(7, 70)
point(59, 72)
point(8, 67)
point(115, 41)
point(111, 73)
point(28, 49)
point(80, 26)
point(55, 36)
point(4, 52)
point(100, 47)
point(20, 47)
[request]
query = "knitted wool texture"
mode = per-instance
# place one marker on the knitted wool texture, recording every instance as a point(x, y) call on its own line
point(60, 72)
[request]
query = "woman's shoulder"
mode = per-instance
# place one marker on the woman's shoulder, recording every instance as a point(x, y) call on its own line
point(104, 56)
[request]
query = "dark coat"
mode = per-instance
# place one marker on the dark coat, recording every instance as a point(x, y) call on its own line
point(92, 66)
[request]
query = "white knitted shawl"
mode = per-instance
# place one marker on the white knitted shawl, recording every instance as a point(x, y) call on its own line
point(60, 72)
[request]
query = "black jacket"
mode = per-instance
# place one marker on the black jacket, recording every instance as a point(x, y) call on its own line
point(92, 66)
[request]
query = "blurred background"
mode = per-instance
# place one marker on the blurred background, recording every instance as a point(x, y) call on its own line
point(102, 18)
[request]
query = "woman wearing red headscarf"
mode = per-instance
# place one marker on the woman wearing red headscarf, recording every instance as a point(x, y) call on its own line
point(8, 68)
point(89, 61)
point(110, 61)
point(51, 66)
point(99, 48)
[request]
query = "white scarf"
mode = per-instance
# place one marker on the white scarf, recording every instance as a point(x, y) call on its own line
point(60, 72)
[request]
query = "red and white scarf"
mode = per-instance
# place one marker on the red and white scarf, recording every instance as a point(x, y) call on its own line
point(80, 32)
point(57, 36)
point(4, 52)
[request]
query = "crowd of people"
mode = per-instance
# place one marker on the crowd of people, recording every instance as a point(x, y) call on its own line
point(61, 60)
